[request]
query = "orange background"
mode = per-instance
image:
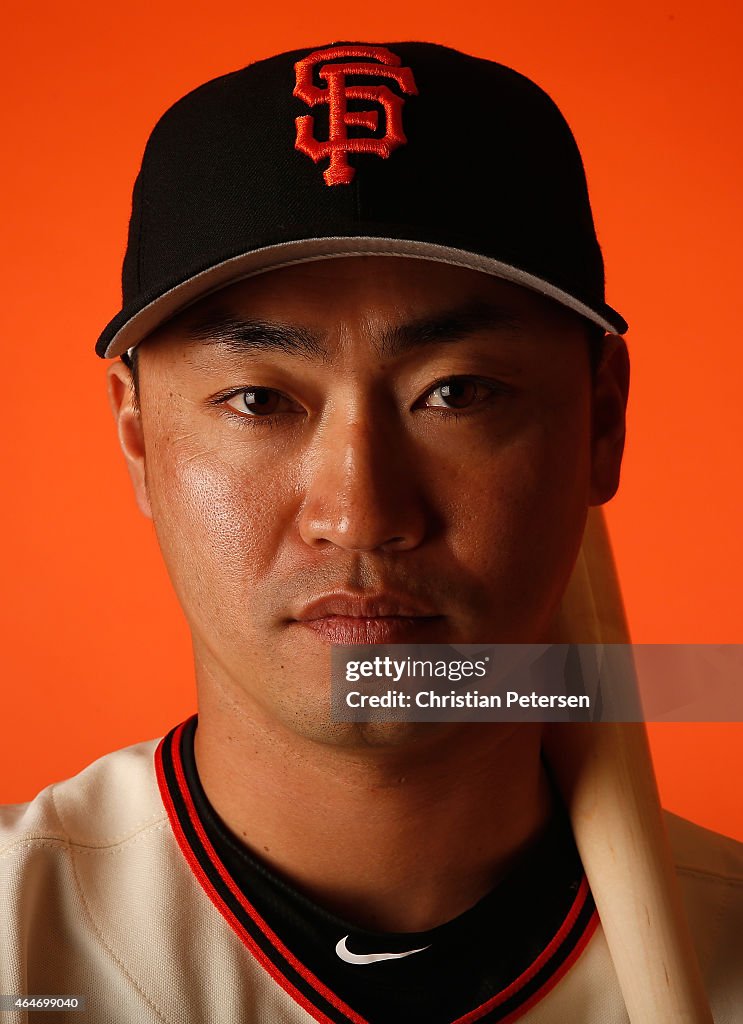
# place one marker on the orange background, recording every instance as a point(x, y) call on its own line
point(96, 655)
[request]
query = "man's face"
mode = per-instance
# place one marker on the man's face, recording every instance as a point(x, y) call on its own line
point(362, 450)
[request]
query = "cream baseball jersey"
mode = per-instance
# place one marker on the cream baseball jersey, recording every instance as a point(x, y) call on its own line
point(122, 886)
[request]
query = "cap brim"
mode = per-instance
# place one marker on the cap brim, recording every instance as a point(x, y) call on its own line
point(130, 327)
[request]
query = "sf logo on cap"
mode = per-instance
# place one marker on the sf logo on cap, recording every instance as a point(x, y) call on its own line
point(379, 61)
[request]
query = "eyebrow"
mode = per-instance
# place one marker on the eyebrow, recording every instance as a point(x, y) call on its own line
point(239, 335)
point(448, 326)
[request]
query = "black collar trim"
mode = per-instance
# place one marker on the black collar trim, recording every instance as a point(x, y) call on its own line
point(304, 986)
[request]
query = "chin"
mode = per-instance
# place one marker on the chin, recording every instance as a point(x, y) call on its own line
point(306, 715)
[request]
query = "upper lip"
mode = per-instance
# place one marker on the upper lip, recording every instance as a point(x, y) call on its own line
point(369, 606)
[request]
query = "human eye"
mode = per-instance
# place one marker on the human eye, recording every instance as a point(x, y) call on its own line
point(257, 403)
point(460, 393)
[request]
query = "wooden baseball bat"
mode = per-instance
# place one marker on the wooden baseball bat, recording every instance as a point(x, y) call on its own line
point(605, 774)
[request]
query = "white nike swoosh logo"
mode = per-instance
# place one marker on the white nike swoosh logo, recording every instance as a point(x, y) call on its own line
point(370, 958)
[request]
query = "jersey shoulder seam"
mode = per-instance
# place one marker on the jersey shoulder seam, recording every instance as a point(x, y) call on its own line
point(43, 839)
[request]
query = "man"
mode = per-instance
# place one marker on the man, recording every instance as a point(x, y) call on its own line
point(366, 395)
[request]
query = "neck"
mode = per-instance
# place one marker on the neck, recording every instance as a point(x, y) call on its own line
point(397, 836)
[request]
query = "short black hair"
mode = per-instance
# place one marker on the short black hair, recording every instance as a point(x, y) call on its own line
point(132, 361)
point(595, 335)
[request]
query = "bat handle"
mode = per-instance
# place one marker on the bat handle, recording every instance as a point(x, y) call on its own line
point(605, 774)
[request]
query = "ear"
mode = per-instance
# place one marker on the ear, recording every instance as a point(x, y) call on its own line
point(129, 426)
point(608, 419)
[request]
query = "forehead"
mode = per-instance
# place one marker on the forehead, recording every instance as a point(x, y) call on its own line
point(368, 294)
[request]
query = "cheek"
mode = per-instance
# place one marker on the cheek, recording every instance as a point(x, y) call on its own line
point(517, 513)
point(219, 526)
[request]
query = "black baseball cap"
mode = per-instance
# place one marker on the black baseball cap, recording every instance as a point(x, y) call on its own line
point(408, 149)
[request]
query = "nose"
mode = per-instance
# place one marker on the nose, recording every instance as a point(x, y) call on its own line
point(361, 487)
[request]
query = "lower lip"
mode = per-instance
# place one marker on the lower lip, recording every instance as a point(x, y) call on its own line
point(392, 629)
